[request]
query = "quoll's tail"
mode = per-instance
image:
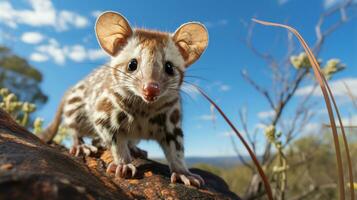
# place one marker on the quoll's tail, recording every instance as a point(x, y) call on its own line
point(50, 132)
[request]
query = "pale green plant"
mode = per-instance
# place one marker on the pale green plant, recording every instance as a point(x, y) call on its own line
point(280, 168)
point(300, 61)
point(332, 66)
point(61, 135)
point(19, 110)
point(37, 126)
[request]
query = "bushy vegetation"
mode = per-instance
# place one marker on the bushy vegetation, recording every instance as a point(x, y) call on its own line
point(312, 169)
point(17, 75)
point(20, 92)
point(19, 110)
point(22, 112)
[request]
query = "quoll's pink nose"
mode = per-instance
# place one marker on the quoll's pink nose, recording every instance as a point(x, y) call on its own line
point(151, 90)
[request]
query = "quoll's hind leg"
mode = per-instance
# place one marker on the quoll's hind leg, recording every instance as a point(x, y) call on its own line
point(135, 151)
point(76, 120)
point(79, 147)
point(121, 164)
point(172, 145)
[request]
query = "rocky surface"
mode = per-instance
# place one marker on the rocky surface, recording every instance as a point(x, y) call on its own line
point(30, 169)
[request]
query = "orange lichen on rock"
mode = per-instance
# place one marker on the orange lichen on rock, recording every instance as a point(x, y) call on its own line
point(6, 166)
point(106, 157)
point(148, 174)
point(134, 181)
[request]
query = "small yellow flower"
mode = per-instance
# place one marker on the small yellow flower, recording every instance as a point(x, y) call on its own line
point(4, 92)
point(37, 124)
point(300, 61)
point(278, 169)
point(10, 98)
point(332, 66)
point(354, 185)
point(28, 107)
point(270, 133)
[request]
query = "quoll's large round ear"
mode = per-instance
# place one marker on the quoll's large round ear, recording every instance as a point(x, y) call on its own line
point(112, 31)
point(191, 39)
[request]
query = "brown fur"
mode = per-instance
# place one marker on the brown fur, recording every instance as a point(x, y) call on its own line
point(74, 100)
point(153, 40)
point(168, 104)
point(105, 106)
point(71, 112)
point(175, 116)
point(149, 35)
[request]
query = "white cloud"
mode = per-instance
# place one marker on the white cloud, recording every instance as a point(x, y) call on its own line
point(281, 2)
point(207, 117)
point(60, 54)
point(311, 128)
point(337, 87)
point(227, 134)
point(96, 54)
point(266, 114)
point(87, 38)
point(67, 18)
point(42, 13)
point(96, 13)
point(32, 37)
point(224, 88)
point(348, 121)
point(191, 90)
point(213, 24)
point(260, 126)
point(38, 57)
point(331, 3)
point(199, 126)
point(76, 53)
point(53, 50)
point(307, 90)
point(326, 3)
point(217, 85)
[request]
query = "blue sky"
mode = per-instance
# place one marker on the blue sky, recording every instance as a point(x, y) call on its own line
point(58, 38)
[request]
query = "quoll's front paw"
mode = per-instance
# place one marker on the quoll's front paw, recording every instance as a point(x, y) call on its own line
point(187, 178)
point(121, 170)
point(86, 149)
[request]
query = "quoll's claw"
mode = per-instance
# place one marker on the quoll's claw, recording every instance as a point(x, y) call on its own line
point(121, 170)
point(188, 179)
point(86, 149)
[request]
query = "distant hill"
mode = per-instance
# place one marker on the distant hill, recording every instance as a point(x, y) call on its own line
point(225, 162)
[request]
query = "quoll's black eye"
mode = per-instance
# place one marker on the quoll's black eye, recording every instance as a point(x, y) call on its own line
point(169, 68)
point(133, 65)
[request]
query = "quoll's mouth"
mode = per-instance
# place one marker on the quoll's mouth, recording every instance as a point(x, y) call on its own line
point(150, 98)
point(151, 91)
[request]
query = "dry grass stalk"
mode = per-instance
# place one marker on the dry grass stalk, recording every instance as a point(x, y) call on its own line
point(251, 153)
point(326, 91)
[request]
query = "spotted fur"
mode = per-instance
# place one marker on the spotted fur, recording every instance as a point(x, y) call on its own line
point(108, 103)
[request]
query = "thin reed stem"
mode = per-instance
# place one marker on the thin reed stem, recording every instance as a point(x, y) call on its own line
point(251, 153)
point(326, 91)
